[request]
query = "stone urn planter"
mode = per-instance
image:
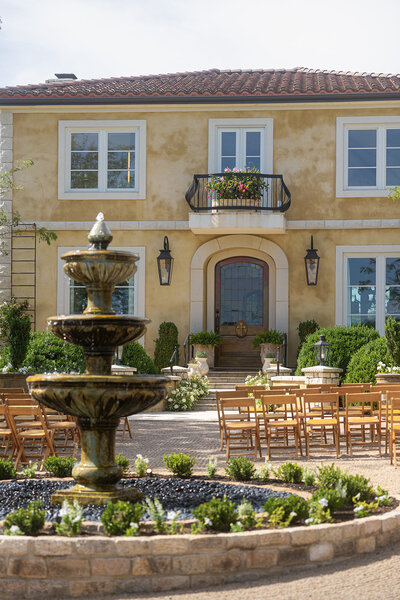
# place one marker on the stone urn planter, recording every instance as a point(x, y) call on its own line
point(209, 350)
point(202, 365)
point(266, 349)
point(389, 378)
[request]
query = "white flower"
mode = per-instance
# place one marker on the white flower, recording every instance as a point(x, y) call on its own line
point(176, 406)
point(323, 502)
point(207, 521)
point(139, 456)
point(293, 514)
point(309, 521)
point(14, 529)
point(64, 512)
point(134, 525)
point(77, 519)
point(357, 496)
point(357, 509)
point(171, 514)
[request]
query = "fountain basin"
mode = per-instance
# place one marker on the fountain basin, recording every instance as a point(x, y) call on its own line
point(98, 402)
point(96, 333)
point(98, 397)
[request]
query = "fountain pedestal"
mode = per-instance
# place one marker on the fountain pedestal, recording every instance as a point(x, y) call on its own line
point(98, 399)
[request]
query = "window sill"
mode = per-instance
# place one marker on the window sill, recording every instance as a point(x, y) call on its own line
point(123, 195)
point(362, 193)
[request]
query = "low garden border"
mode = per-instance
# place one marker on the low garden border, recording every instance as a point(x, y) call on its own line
point(84, 566)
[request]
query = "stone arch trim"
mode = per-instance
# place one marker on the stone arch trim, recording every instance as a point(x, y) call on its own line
point(240, 243)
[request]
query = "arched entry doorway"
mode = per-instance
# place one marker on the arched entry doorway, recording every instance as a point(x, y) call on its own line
point(241, 308)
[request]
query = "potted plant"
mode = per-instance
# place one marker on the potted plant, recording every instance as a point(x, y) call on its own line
point(193, 367)
point(201, 359)
point(243, 187)
point(269, 341)
point(269, 358)
point(205, 341)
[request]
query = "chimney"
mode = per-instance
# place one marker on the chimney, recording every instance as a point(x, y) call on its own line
point(62, 77)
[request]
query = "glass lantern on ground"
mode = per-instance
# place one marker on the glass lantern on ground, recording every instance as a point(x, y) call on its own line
point(321, 350)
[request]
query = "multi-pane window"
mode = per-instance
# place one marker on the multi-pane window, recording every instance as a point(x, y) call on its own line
point(102, 159)
point(241, 148)
point(372, 157)
point(373, 290)
point(122, 298)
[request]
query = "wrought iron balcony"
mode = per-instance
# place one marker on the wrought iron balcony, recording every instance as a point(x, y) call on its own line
point(250, 191)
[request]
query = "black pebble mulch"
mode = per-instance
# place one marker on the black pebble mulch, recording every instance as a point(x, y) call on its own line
point(174, 494)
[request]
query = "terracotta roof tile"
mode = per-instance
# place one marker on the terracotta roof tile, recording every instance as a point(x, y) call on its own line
point(277, 84)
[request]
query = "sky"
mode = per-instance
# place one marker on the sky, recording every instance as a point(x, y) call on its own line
point(113, 38)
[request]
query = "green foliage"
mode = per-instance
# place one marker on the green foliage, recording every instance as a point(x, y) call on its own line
point(157, 514)
point(30, 470)
point(308, 477)
point(364, 509)
point(47, 353)
point(265, 471)
point(7, 470)
point(328, 476)
point(394, 193)
point(336, 498)
point(318, 513)
point(71, 519)
point(217, 515)
point(304, 329)
point(60, 466)
point(180, 464)
point(344, 341)
point(392, 333)
point(246, 517)
point(118, 516)
point(201, 354)
point(134, 355)
point(240, 468)
point(212, 467)
point(357, 484)
point(28, 520)
point(289, 504)
point(122, 462)
point(187, 394)
point(165, 345)
point(363, 365)
point(289, 472)
point(271, 336)
point(15, 326)
point(141, 465)
point(206, 338)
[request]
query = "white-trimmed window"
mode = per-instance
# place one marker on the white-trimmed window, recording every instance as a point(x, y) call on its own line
point(240, 143)
point(128, 298)
point(368, 285)
point(102, 159)
point(368, 155)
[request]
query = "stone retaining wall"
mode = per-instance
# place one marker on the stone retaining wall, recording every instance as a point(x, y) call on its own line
point(78, 567)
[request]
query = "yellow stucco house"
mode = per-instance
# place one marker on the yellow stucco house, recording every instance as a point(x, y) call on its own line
point(327, 143)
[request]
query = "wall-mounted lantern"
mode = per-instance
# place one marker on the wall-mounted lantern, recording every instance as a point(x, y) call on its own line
point(321, 350)
point(164, 263)
point(311, 260)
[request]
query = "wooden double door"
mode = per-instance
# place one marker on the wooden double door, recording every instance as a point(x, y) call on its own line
point(241, 309)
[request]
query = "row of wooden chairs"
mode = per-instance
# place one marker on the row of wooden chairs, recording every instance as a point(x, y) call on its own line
point(311, 414)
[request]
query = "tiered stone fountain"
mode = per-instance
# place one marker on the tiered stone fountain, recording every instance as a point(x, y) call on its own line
point(97, 398)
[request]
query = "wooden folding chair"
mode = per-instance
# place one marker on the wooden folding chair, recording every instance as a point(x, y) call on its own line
point(34, 443)
point(64, 430)
point(242, 387)
point(281, 422)
point(394, 428)
point(239, 432)
point(390, 418)
point(219, 395)
point(8, 442)
point(324, 387)
point(320, 414)
point(363, 415)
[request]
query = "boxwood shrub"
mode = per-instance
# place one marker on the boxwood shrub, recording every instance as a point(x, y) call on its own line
point(165, 345)
point(135, 355)
point(344, 341)
point(47, 353)
point(362, 366)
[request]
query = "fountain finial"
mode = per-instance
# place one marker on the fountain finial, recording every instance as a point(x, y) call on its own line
point(100, 235)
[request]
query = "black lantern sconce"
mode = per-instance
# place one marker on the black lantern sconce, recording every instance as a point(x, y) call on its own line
point(311, 260)
point(321, 350)
point(164, 263)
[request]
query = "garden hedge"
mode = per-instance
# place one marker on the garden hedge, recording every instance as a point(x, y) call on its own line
point(344, 341)
point(134, 355)
point(362, 366)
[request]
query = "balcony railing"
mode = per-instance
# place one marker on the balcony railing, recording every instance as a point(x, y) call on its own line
point(275, 195)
